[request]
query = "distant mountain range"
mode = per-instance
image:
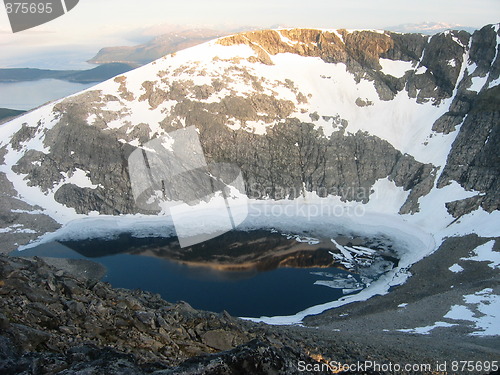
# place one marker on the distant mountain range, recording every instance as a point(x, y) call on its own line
point(428, 27)
point(98, 74)
point(156, 48)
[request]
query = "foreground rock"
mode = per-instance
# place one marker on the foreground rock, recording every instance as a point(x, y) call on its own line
point(256, 357)
point(52, 322)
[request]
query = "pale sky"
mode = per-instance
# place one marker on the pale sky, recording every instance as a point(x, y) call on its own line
point(94, 24)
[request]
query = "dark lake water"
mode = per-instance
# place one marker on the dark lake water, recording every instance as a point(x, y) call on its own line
point(254, 291)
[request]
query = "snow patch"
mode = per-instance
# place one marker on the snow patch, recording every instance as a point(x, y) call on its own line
point(395, 68)
point(458, 41)
point(92, 117)
point(17, 228)
point(478, 83)
point(482, 311)
point(456, 268)
point(427, 329)
point(79, 178)
point(386, 197)
point(485, 253)
point(256, 127)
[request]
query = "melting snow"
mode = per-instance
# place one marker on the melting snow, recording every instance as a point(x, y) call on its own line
point(79, 178)
point(287, 40)
point(482, 311)
point(427, 329)
point(478, 83)
point(485, 253)
point(395, 68)
point(456, 268)
point(17, 228)
point(91, 118)
point(458, 41)
point(480, 308)
point(452, 63)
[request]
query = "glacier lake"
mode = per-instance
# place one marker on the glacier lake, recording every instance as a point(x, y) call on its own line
point(246, 273)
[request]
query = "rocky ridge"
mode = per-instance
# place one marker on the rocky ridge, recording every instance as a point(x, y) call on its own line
point(343, 163)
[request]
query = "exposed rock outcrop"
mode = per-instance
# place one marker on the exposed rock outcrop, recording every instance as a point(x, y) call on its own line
point(48, 310)
point(441, 56)
point(474, 161)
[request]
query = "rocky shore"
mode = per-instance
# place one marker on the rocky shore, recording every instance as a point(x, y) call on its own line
point(55, 322)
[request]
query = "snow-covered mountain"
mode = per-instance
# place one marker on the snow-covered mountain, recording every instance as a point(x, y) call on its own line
point(405, 126)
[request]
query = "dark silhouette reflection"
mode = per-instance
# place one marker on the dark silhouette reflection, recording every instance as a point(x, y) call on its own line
point(226, 273)
point(259, 250)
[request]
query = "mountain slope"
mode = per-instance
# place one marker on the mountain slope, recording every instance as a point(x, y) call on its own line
point(382, 105)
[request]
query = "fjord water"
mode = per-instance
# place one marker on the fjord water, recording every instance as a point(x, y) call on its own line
point(246, 292)
point(31, 94)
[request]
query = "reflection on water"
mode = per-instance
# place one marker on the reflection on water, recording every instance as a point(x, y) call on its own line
point(259, 250)
point(29, 95)
point(225, 273)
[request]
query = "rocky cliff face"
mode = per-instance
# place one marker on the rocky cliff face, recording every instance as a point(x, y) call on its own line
point(474, 161)
point(298, 110)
